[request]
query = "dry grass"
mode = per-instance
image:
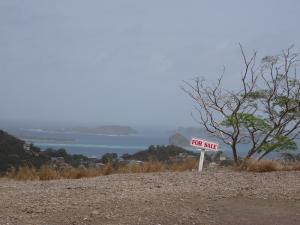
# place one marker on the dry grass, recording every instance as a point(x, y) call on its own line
point(293, 166)
point(262, 166)
point(155, 166)
point(296, 166)
point(23, 173)
point(47, 173)
point(146, 167)
point(188, 164)
point(266, 166)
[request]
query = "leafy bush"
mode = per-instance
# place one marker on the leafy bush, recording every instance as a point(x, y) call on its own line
point(73, 160)
point(157, 153)
point(109, 158)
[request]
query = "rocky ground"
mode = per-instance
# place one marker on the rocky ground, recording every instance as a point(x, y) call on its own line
point(212, 197)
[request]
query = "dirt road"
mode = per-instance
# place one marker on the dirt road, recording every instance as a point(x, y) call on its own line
point(212, 197)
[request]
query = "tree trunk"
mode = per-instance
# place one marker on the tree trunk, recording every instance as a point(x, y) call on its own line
point(261, 156)
point(250, 153)
point(235, 156)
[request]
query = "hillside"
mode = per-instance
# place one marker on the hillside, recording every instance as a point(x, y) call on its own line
point(178, 139)
point(13, 153)
point(213, 197)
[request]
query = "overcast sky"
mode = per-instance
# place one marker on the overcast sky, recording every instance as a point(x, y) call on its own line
point(123, 61)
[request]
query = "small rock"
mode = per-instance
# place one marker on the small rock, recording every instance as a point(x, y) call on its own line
point(95, 212)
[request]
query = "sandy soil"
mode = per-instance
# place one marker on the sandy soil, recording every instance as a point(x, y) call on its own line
point(212, 197)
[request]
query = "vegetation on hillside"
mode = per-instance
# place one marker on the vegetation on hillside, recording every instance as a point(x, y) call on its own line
point(109, 158)
point(14, 154)
point(158, 153)
point(72, 159)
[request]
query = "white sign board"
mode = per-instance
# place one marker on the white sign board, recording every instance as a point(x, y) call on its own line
point(203, 144)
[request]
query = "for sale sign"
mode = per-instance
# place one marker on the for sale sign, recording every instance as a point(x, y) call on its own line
point(203, 144)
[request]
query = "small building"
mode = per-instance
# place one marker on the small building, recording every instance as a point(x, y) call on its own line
point(26, 147)
point(130, 162)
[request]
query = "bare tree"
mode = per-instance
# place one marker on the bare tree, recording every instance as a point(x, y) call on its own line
point(264, 112)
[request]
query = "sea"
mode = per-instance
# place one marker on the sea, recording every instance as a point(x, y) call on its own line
point(95, 145)
point(91, 145)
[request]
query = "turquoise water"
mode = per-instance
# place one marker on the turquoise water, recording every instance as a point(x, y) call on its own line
point(60, 145)
point(91, 145)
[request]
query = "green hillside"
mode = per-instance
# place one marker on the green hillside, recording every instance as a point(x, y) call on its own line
point(13, 153)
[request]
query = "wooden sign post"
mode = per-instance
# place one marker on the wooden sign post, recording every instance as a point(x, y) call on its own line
point(201, 160)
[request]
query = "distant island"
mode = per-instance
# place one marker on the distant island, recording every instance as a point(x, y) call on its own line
point(182, 135)
point(105, 130)
point(180, 140)
point(45, 139)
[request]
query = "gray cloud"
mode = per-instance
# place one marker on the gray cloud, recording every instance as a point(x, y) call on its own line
point(123, 61)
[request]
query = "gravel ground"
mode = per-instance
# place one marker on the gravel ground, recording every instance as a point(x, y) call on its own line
point(211, 197)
